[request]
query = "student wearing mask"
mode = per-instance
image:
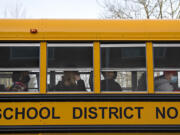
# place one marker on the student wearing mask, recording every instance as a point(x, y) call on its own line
point(166, 81)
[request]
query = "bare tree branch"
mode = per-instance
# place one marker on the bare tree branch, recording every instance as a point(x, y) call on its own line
point(141, 9)
point(17, 12)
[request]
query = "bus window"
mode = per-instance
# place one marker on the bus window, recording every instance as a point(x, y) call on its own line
point(123, 67)
point(166, 67)
point(69, 67)
point(19, 67)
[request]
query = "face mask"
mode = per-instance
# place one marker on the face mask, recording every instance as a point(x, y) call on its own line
point(174, 79)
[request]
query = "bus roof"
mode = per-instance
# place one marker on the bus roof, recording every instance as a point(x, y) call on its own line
point(118, 30)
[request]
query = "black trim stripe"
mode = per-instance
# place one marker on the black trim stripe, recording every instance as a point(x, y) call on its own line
point(91, 128)
point(88, 97)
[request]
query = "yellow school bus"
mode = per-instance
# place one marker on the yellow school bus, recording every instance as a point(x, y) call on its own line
point(89, 76)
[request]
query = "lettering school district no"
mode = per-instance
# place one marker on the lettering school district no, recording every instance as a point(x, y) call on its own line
point(87, 113)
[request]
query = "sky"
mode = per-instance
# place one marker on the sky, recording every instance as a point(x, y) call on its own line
point(60, 9)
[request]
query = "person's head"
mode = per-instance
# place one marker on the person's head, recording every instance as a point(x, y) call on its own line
point(21, 76)
point(69, 78)
point(171, 76)
point(109, 74)
point(76, 72)
point(77, 75)
point(16, 76)
point(25, 77)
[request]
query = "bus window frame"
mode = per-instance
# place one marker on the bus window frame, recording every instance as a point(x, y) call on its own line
point(121, 45)
point(23, 44)
point(164, 44)
point(68, 45)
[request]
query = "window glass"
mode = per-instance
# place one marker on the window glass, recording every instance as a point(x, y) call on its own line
point(123, 57)
point(123, 67)
point(70, 57)
point(70, 67)
point(166, 67)
point(19, 67)
point(166, 57)
point(19, 57)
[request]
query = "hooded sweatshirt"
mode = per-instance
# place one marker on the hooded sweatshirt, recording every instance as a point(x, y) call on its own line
point(162, 84)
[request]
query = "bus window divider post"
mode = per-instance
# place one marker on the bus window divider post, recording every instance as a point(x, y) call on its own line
point(149, 64)
point(97, 61)
point(43, 67)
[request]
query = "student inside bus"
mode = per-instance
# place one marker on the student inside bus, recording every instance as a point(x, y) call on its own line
point(71, 81)
point(142, 83)
point(109, 83)
point(20, 81)
point(166, 82)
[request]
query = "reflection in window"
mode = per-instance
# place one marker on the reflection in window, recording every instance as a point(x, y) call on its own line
point(166, 62)
point(70, 57)
point(21, 53)
point(19, 67)
point(123, 68)
point(69, 67)
point(166, 57)
point(123, 57)
point(19, 57)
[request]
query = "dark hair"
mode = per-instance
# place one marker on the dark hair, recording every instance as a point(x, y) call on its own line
point(115, 74)
point(25, 79)
point(16, 76)
point(20, 76)
point(76, 73)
